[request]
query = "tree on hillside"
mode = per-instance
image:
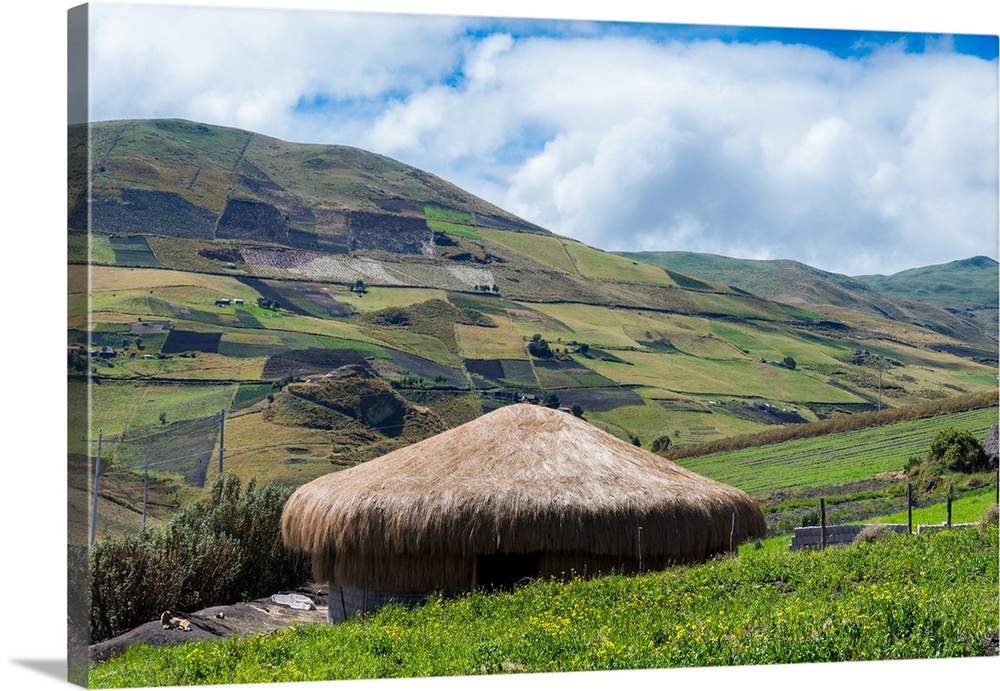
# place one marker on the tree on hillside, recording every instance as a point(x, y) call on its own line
point(789, 362)
point(539, 347)
point(577, 410)
point(268, 303)
point(661, 444)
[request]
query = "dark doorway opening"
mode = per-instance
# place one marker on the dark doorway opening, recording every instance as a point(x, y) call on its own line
point(503, 571)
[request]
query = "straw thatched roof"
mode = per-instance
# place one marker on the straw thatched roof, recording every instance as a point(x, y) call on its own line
point(991, 446)
point(522, 479)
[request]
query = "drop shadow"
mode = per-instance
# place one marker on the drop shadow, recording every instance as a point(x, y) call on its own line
point(50, 668)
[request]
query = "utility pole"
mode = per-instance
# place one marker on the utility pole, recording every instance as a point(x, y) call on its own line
point(97, 477)
point(145, 492)
point(880, 383)
point(222, 436)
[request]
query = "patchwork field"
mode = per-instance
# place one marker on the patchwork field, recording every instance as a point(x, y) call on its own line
point(221, 266)
point(639, 369)
point(288, 311)
point(834, 459)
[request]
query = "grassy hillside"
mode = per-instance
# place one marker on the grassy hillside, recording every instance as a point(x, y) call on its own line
point(860, 473)
point(224, 267)
point(966, 284)
point(967, 287)
point(178, 177)
point(959, 299)
point(899, 598)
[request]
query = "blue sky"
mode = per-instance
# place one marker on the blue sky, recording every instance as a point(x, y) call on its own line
point(853, 43)
point(851, 150)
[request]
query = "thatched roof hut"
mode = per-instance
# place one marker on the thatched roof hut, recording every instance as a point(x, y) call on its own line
point(521, 491)
point(991, 447)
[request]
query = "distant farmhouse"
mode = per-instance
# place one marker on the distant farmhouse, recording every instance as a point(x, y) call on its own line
point(148, 327)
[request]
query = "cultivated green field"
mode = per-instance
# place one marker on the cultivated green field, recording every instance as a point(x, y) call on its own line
point(833, 459)
point(671, 352)
point(548, 250)
point(459, 229)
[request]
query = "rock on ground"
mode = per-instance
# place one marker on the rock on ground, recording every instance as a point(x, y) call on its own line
point(213, 623)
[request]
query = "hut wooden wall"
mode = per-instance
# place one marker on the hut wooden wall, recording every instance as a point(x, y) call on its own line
point(400, 572)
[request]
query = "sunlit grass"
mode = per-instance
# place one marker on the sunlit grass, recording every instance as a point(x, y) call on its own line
point(903, 597)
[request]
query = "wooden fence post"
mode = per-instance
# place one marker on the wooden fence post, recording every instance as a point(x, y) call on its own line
point(639, 537)
point(909, 508)
point(822, 522)
point(949, 506)
point(732, 536)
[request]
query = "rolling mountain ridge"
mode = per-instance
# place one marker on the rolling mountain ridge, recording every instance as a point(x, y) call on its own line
point(215, 269)
point(957, 299)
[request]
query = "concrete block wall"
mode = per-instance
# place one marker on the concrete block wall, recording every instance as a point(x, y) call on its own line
point(348, 601)
point(811, 537)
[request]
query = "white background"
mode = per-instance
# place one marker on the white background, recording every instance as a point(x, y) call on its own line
point(33, 304)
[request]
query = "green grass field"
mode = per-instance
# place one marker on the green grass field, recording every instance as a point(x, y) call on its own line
point(833, 459)
point(593, 263)
point(437, 213)
point(459, 229)
point(900, 598)
point(118, 407)
point(967, 509)
point(548, 250)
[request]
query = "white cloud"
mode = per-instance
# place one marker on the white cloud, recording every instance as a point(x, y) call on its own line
point(817, 162)
point(250, 68)
point(859, 165)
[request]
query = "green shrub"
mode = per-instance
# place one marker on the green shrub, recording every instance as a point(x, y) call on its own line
point(539, 348)
point(132, 580)
point(661, 444)
point(874, 532)
point(251, 519)
point(959, 450)
point(990, 517)
point(216, 552)
point(550, 400)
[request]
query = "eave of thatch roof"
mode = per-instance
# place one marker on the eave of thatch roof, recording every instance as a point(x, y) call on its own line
point(520, 479)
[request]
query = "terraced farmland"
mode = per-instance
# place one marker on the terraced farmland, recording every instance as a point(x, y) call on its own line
point(834, 459)
point(668, 354)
